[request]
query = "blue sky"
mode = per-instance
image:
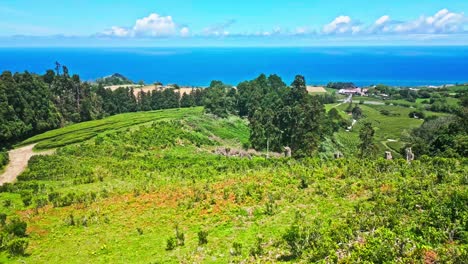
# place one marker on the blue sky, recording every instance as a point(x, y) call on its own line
point(232, 23)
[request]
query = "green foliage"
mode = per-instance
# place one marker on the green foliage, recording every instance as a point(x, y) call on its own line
point(341, 85)
point(17, 246)
point(281, 116)
point(3, 159)
point(171, 243)
point(202, 237)
point(443, 136)
point(353, 210)
point(366, 135)
point(84, 131)
point(16, 227)
point(256, 250)
point(114, 79)
point(236, 249)
point(220, 99)
point(31, 104)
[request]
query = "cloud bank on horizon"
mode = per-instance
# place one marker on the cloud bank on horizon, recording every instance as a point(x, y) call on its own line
point(441, 27)
point(442, 22)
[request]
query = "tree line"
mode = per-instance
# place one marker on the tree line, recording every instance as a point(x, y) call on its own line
point(279, 115)
point(31, 104)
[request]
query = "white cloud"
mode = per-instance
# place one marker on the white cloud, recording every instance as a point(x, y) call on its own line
point(117, 32)
point(341, 25)
point(218, 29)
point(185, 32)
point(443, 22)
point(382, 20)
point(153, 25)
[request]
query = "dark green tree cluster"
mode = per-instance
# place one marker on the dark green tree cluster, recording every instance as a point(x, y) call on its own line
point(279, 116)
point(443, 136)
point(26, 107)
point(114, 79)
point(341, 85)
point(220, 99)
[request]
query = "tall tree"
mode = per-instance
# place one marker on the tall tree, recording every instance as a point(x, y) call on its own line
point(366, 134)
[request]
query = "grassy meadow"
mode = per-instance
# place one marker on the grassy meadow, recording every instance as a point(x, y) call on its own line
point(148, 189)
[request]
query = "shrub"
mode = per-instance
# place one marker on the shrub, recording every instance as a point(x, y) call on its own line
point(304, 184)
point(180, 237)
point(257, 250)
point(140, 231)
point(26, 198)
point(171, 243)
point(17, 246)
point(417, 114)
point(3, 218)
point(202, 237)
point(385, 112)
point(16, 227)
point(270, 205)
point(3, 158)
point(236, 249)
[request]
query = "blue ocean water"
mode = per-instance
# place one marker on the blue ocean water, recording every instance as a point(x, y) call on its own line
point(401, 66)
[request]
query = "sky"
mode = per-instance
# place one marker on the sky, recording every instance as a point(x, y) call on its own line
point(232, 23)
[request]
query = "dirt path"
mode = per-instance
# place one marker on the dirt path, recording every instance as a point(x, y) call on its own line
point(347, 100)
point(19, 161)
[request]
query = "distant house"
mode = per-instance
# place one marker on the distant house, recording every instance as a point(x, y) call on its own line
point(354, 91)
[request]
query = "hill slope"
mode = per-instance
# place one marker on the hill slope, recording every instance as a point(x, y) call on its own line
point(152, 193)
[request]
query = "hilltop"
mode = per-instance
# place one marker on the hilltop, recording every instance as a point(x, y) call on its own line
point(114, 79)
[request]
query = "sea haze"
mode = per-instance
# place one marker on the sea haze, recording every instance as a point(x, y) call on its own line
point(400, 66)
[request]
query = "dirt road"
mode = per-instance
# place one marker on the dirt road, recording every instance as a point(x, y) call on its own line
point(18, 162)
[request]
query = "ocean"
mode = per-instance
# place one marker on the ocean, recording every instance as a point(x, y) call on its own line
point(398, 66)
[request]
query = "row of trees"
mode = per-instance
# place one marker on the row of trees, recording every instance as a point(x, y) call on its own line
point(31, 103)
point(279, 115)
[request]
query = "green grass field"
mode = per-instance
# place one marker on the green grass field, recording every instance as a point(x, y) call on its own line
point(123, 194)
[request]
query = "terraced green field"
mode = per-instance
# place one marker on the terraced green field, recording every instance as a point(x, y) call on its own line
point(83, 131)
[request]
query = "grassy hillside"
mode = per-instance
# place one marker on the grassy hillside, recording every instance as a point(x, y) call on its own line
point(155, 193)
point(83, 131)
point(391, 124)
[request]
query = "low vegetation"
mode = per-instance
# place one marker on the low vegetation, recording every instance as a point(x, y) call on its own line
point(157, 193)
point(184, 185)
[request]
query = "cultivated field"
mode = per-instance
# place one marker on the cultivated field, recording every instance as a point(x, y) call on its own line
point(316, 89)
point(149, 88)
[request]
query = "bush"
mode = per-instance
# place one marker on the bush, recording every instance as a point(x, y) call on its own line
point(171, 243)
point(3, 218)
point(236, 249)
point(140, 231)
point(202, 237)
point(385, 112)
point(3, 158)
point(180, 237)
point(257, 249)
point(16, 227)
point(417, 114)
point(17, 246)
